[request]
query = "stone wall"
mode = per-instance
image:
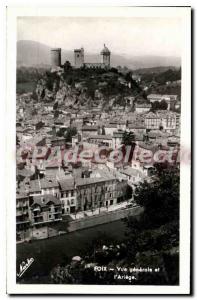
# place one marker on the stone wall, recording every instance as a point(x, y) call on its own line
point(105, 217)
point(49, 231)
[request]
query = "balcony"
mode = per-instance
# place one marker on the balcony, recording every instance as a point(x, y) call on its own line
point(38, 220)
point(55, 212)
point(22, 222)
point(37, 215)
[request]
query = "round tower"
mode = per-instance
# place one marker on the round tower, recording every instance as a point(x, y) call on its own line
point(105, 54)
point(56, 57)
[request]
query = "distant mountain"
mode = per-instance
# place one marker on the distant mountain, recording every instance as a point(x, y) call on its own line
point(156, 69)
point(31, 53)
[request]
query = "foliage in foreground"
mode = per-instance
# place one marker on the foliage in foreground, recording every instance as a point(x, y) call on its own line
point(151, 245)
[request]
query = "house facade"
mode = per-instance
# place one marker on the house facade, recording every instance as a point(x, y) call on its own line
point(94, 193)
point(22, 212)
point(68, 196)
point(45, 209)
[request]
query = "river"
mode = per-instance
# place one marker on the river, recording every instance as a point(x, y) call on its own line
point(50, 252)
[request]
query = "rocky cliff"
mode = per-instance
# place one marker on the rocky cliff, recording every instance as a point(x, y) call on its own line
point(89, 88)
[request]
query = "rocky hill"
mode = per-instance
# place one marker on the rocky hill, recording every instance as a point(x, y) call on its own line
point(76, 88)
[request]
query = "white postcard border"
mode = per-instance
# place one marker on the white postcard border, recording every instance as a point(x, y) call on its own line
point(185, 14)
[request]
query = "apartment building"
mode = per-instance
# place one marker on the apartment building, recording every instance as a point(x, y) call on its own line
point(162, 120)
point(68, 196)
point(45, 209)
point(93, 193)
point(22, 212)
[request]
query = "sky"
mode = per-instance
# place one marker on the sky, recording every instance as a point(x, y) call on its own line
point(128, 36)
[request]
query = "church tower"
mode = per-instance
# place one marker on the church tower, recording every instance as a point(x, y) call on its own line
point(105, 56)
point(79, 57)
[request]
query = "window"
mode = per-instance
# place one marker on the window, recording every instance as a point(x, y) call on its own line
point(66, 194)
point(72, 193)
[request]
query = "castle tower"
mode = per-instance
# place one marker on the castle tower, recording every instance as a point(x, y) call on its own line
point(56, 57)
point(79, 57)
point(105, 53)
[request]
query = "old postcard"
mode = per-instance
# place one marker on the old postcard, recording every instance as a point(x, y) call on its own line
point(98, 150)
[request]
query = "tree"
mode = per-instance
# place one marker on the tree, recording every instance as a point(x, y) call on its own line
point(160, 198)
point(56, 114)
point(163, 105)
point(114, 70)
point(129, 192)
point(128, 138)
point(72, 131)
point(103, 130)
point(55, 106)
point(61, 132)
point(34, 96)
point(128, 77)
point(155, 105)
point(67, 66)
point(52, 79)
point(128, 141)
point(154, 236)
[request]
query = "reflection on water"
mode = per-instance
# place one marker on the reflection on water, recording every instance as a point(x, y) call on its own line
point(48, 253)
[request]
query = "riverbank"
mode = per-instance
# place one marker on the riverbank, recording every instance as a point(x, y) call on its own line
point(70, 224)
point(48, 253)
point(102, 218)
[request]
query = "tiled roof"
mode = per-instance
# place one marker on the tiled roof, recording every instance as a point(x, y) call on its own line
point(89, 128)
point(148, 146)
point(67, 184)
point(154, 96)
point(21, 195)
point(34, 186)
point(45, 199)
point(160, 114)
point(132, 172)
point(147, 105)
point(24, 172)
point(87, 181)
point(158, 133)
point(118, 134)
point(48, 183)
point(100, 137)
point(111, 125)
point(136, 126)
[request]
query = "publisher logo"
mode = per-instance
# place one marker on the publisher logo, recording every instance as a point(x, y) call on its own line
point(24, 266)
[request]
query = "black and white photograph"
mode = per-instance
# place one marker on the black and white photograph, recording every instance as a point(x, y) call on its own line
point(101, 136)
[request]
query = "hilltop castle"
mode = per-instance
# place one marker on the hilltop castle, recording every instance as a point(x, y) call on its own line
point(79, 58)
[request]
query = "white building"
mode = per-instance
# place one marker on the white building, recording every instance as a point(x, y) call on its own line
point(162, 120)
point(170, 99)
point(142, 107)
point(68, 196)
